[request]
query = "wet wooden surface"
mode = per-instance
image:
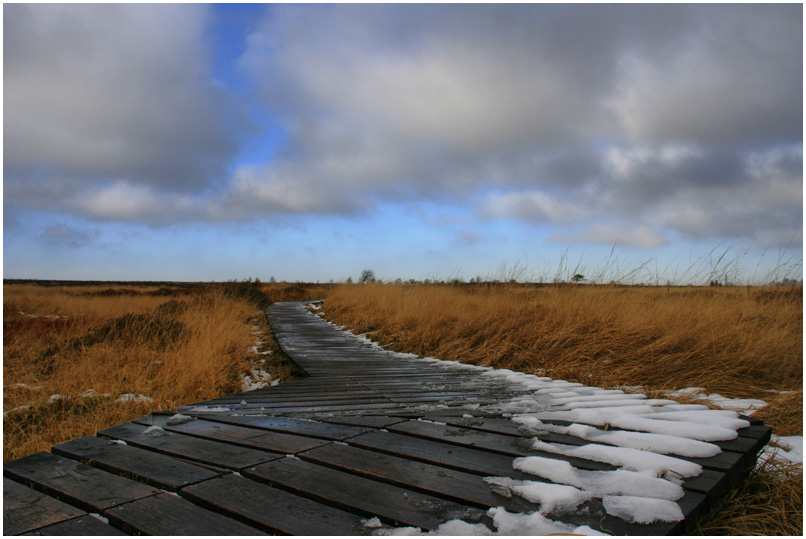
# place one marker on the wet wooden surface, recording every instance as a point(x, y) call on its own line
point(367, 434)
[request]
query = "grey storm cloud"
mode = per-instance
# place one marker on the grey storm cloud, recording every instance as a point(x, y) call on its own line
point(630, 122)
point(103, 93)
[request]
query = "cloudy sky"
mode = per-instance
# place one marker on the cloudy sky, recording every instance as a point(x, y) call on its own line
point(308, 142)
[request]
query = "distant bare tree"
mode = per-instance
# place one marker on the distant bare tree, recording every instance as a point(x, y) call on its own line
point(367, 276)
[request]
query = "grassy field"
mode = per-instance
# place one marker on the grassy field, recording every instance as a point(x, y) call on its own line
point(737, 341)
point(78, 359)
point(91, 345)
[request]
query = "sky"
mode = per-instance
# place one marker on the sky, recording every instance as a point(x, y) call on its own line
point(200, 142)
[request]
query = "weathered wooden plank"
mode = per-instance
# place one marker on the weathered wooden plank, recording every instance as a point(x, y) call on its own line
point(272, 509)
point(320, 409)
point(400, 506)
point(81, 526)
point(451, 484)
point(277, 442)
point(500, 443)
point(314, 429)
point(373, 421)
point(498, 425)
point(155, 469)
point(188, 447)
point(83, 486)
point(433, 452)
point(168, 514)
point(25, 509)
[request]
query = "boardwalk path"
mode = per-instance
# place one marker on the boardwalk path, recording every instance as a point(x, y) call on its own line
point(371, 433)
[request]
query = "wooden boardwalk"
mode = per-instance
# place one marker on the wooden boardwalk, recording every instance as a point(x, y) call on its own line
point(367, 434)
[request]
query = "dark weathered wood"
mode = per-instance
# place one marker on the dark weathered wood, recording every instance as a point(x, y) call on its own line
point(489, 441)
point(83, 486)
point(25, 509)
point(81, 526)
point(490, 424)
point(272, 509)
point(403, 507)
point(188, 447)
point(277, 442)
point(456, 457)
point(155, 469)
point(168, 514)
point(450, 484)
point(374, 421)
point(314, 429)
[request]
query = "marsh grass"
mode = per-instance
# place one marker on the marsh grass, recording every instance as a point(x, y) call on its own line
point(741, 342)
point(66, 341)
point(173, 344)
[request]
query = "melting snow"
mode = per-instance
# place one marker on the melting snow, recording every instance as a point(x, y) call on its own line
point(642, 510)
point(373, 522)
point(101, 518)
point(644, 487)
point(131, 397)
point(209, 409)
point(640, 461)
point(17, 409)
point(548, 495)
point(257, 380)
point(26, 386)
point(599, 483)
point(786, 448)
point(178, 419)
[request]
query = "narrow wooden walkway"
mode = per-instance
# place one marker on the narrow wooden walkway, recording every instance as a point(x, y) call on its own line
point(367, 434)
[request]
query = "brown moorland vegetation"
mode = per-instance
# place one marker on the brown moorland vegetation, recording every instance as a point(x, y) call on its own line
point(741, 342)
point(70, 352)
point(179, 344)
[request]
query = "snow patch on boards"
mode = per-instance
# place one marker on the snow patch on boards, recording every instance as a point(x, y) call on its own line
point(649, 434)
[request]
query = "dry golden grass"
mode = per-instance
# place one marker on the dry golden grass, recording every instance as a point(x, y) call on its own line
point(739, 342)
point(68, 340)
point(175, 345)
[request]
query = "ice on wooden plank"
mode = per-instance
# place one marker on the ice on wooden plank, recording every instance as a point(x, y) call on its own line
point(616, 417)
point(178, 419)
point(640, 461)
point(548, 495)
point(211, 408)
point(642, 510)
point(612, 403)
point(597, 396)
point(720, 418)
point(657, 443)
point(598, 483)
point(507, 523)
point(154, 431)
point(100, 517)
